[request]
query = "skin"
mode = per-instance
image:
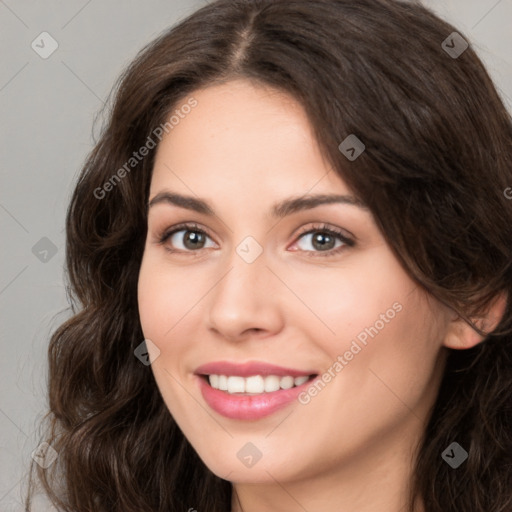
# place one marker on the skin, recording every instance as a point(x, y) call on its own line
point(243, 148)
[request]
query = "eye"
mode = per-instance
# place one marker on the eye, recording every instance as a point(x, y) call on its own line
point(190, 236)
point(323, 240)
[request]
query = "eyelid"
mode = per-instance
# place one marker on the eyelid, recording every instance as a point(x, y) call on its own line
point(323, 226)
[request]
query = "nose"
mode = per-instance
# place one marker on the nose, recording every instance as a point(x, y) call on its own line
point(245, 302)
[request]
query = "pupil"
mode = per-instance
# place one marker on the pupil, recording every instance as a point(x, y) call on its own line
point(194, 238)
point(320, 239)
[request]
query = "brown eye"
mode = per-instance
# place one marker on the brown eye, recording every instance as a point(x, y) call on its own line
point(192, 239)
point(185, 238)
point(323, 240)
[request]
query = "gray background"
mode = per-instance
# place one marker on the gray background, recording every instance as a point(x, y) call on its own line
point(47, 109)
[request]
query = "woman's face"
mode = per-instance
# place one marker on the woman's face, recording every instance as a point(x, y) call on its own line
point(244, 284)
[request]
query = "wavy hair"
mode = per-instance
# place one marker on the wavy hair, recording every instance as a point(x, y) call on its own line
point(435, 171)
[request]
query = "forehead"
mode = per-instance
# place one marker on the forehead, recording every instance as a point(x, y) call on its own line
point(248, 137)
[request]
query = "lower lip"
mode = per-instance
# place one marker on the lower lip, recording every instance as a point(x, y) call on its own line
point(249, 407)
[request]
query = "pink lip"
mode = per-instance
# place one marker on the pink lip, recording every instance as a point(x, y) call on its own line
point(248, 369)
point(248, 407)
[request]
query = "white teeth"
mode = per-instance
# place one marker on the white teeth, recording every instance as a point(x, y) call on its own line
point(255, 384)
point(223, 382)
point(272, 383)
point(236, 384)
point(300, 380)
point(286, 382)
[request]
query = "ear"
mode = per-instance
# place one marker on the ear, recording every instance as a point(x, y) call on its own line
point(460, 335)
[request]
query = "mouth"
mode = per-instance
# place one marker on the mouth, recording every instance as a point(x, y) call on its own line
point(255, 384)
point(250, 391)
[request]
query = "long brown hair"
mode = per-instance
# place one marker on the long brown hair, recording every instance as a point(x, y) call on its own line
point(437, 160)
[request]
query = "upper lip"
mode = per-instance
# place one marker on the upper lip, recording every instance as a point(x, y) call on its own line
point(249, 368)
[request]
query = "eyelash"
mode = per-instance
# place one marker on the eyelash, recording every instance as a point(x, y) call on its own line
point(324, 228)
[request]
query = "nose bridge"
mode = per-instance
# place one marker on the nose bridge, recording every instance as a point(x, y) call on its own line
point(242, 298)
point(245, 274)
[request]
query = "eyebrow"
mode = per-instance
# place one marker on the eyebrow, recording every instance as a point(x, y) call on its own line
point(279, 210)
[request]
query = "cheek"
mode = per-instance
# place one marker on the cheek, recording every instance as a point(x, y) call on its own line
point(365, 294)
point(163, 305)
point(378, 320)
point(157, 303)
point(165, 296)
point(389, 353)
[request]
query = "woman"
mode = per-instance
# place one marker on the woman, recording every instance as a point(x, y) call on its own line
point(290, 253)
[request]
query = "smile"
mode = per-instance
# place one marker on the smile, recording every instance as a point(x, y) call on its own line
point(250, 391)
point(256, 384)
